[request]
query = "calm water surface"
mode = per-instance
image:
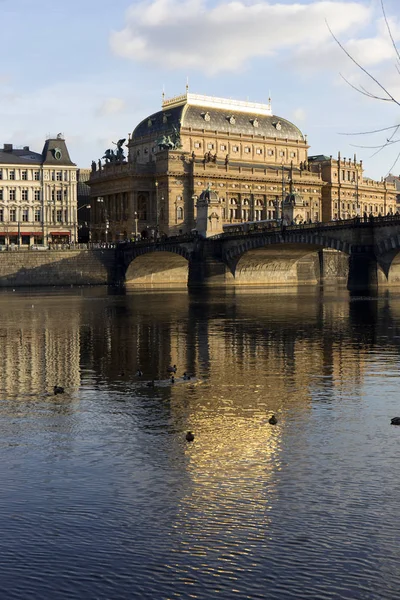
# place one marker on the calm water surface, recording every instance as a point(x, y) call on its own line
point(101, 496)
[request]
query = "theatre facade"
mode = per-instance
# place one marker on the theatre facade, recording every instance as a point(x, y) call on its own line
point(256, 162)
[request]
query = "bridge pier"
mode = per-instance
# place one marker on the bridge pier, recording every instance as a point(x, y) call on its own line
point(363, 272)
point(206, 268)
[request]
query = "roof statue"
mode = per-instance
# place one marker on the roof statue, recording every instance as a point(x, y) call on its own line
point(117, 155)
point(170, 141)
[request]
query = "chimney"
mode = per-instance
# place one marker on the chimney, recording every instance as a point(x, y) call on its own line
point(7, 148)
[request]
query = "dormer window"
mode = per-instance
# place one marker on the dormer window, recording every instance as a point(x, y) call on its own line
point(149, 122)
point(165, 118)
point(278, 125)
point(232, 119)
point(206, 116)
point(255, 122)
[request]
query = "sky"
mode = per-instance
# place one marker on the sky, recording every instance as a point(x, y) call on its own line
point(93, 69)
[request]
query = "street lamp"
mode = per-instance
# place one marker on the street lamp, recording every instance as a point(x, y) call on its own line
point(156, 183)
point(283, 193)
point(355, 181)
point(83, 206)
point(100, 199)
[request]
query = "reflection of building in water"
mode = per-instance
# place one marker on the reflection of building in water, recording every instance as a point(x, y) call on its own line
point(40, 345)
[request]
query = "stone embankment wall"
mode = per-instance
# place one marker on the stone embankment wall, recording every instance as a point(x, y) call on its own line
point(57, 267)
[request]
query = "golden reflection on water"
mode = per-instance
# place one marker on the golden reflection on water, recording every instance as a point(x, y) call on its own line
point(40, 344)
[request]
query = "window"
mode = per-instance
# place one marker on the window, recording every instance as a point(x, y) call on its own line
point(179, 213)
point(235, 148)
point(259, 151)
point(1, 214)
point(37, 195)
point(247, 149)
point(38, 215)
point(65, 193)
point(13, 214)
point(25, 215)
point(1, 173)
point(24, 195)
point(197, 145)
point(11, 195)
point(53, 195)
point(282, 153)
point(270, 152)
point(36, 175)
point(59, 175)
point(59, 195)
point(24, 175)
point(210, 146)
point(146, 150)
point(1, 194)
point(53, 176)
point(292, 154)
point(65, 175)
point(59, 216)
point(222, 147)
point(12, 175)
point(65, 216)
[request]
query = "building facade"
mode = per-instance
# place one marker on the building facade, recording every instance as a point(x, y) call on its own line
point(38, 195)
point(346, 193)
point(256, 162)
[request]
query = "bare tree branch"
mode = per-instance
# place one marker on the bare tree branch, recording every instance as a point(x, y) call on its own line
point(389, 30)
point(372, 131)
point(393, 165)
point(363, 91)
point(390, 97)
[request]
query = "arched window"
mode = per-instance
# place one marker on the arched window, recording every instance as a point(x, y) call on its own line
point(179, 213)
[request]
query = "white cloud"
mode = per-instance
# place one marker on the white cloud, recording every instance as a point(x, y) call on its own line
point(111, 106)
point(191, 34)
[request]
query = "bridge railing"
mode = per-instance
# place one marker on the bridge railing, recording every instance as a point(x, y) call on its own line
point(244, 230)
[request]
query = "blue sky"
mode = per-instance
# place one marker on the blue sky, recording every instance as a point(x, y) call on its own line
point(93, 69)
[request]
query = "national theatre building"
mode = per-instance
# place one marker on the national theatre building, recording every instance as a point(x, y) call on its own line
point(257, 164)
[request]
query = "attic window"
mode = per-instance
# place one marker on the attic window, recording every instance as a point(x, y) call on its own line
point(255, 122)
point(149, 123)
point(231, 119)
point(278, 125)
point(206, 116)
point(165, 117)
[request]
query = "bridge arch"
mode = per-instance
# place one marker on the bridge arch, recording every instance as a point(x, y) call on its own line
point(157, 264)
point(302, 239)
point(286, 259)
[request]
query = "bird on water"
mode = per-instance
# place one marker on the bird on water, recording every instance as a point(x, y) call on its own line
point(189, 436)
point(395, 421)
point(57, 389)
point(273, 420)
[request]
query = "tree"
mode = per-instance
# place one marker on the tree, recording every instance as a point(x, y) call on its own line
point(382, 95)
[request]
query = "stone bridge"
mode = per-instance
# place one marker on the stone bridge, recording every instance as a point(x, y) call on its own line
point(360, 254)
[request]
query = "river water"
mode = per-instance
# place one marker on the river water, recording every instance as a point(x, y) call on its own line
point(101, 496)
